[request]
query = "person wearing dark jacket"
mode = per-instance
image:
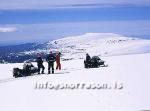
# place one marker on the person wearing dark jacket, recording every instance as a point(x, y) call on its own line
point(40, 64)
point(87, 61)
point(50, 59)
point(88, 58)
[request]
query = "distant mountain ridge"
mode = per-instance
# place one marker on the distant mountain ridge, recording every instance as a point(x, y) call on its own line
point(75, 47)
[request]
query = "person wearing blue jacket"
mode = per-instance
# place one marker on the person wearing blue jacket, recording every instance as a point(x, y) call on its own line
point(50, 60)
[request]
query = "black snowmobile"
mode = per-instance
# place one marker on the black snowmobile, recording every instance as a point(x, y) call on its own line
point(28, 70)
point(94, 62)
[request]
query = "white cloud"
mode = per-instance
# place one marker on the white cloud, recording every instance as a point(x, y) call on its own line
point(44, 4)
point(7, 29)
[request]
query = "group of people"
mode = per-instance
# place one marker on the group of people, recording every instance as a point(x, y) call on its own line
point(51, 58)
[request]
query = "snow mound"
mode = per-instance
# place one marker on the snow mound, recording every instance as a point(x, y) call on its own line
point(101, 44)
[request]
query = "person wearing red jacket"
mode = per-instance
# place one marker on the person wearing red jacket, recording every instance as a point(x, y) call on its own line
point(58, 65)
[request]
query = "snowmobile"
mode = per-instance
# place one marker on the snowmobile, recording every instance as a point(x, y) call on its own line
point(94, 62)
point(28, 70)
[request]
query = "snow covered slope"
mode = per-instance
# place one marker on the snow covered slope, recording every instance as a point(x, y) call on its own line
point(122, 86)
point(104, 44)
point(128, 87)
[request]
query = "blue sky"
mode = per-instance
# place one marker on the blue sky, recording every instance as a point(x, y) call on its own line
point(74, 15)
point(24, 21)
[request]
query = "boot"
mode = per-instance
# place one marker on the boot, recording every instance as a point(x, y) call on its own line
point(43, 72)
point(52, 72)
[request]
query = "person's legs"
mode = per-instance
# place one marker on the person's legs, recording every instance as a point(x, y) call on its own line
point(38, 69)
point(52, 67)
point(42, 68)
point(49, 68)
point(59, 66)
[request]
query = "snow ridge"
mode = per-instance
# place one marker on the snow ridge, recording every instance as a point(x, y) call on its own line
point(101, 44)
point(104, 44)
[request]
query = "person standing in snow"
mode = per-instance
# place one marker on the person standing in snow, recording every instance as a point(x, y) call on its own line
point(40, 64)
point(88, 58)
point(58, 65)
point(50, 59)
point(87, 61)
